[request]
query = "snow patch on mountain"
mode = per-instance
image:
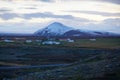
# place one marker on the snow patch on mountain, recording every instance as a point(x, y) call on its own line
point(55, 29)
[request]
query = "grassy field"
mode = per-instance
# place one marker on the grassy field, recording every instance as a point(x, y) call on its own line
point(111, 43)
point(99, 43)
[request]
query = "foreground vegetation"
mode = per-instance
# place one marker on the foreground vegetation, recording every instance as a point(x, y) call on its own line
point(83, 63)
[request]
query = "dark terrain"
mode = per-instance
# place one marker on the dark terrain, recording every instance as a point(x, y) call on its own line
point(72, 63)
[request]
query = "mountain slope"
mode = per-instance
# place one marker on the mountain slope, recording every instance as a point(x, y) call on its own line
point(54, 29)
point(87, 33)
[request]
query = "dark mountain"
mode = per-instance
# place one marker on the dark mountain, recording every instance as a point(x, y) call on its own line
point(87, 33)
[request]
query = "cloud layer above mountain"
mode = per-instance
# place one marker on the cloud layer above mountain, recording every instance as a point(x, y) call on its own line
point(35, 14)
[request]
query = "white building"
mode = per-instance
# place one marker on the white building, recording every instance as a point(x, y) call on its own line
point(70, 40)
point(6, 40)
point(51, 42)
point(92, 39)
point(28, 41)
point(38, 40)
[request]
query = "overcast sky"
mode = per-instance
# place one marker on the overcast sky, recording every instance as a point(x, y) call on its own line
point(30, 15)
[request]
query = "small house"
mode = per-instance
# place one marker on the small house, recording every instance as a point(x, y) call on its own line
point(28, 41)
point(70, 40)
point(63, 39)
point(92, 39)
point(51, 42)
point(38, 40)
point(6, 40)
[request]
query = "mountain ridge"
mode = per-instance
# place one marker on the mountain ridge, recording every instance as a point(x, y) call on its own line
point(59, 29)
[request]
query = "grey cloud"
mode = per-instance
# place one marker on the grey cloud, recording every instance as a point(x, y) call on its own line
point(111, 1)
point(115, 21)
point(46, 15)
point(34, 0)
point(47, 0)
point(51, 15)
point(98, 13)
point(30, 8)
point(4, 10)
point(7, 16)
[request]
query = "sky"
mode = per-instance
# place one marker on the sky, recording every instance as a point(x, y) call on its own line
point(28, 16)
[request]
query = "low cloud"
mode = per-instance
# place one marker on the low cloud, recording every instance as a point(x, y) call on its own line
point(107, 25)
point(4, 10)
point(47, 0)
point(8, 16)
point(111, 1)
point(97, 13)
point(46, 15)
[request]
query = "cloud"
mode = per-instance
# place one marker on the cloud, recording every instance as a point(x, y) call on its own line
point(31, 8)
point(107, 25)
point(97, 13)
point(112, 22)
point(46, 15)
point(110, 1)
point(7, 16)
point(4, 10)
point(47, 0)
point(51, 15)
point(32, 0)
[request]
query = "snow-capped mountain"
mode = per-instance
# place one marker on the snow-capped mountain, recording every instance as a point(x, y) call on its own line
point(58, 29)
point(54, 29)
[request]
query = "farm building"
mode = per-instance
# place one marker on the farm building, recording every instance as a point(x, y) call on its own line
point(92, 39)
point(51, 42)
point(28, 41)
point(6, 40)
point(70, 40)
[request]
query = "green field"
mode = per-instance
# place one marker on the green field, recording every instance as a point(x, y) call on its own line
point(99, 43)
point(111, 43)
